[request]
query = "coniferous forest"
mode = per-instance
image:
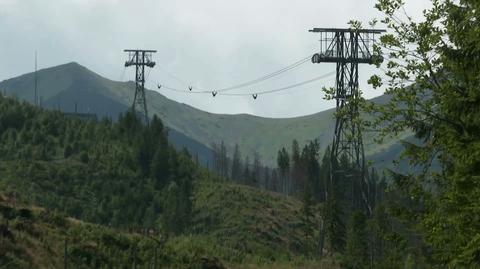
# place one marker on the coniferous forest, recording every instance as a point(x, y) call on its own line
point(92, 192)
point(115, 174)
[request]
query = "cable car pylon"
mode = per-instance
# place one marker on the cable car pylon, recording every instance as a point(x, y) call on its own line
point(347, 48)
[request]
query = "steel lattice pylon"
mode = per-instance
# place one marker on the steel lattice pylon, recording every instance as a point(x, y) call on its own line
point(140, 58)
point(347, 48)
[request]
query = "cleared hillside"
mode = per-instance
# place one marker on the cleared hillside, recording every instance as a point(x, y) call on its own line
point(236, 225)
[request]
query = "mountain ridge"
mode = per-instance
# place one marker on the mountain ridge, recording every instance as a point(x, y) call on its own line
point(252, 133)
point(73, 64)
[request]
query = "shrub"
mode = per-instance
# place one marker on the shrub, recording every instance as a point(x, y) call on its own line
point(84, 157)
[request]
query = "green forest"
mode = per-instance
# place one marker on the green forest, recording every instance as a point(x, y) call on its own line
point(140, 192)
point(86, 193)
point(109, 173)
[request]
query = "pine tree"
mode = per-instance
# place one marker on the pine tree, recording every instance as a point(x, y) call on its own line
point(171, 209)
point(256, 169)
point(236, 171)
point(223, 159)
point(216, 158)
point(325, 174)
point(178, 198)
point(283, 162)
point(308, 219)
point(311, 168)
point(297, 169)
point(160, 167)
point(356, 251)
point(246, 171)
point(274, 182)
point(334, 225)
point(267, 178)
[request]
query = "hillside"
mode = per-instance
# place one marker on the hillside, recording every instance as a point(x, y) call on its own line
point(35, 237)
point(66, 85)
point(125, 176)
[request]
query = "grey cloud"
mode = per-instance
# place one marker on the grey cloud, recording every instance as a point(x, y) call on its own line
point(208, 43)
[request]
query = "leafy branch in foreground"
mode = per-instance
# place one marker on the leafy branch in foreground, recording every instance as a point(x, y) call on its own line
point(432, 72)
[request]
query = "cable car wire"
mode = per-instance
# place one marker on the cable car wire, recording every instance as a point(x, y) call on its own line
point(281, 89)
point(254, 94)
point(268, 76)
point(191, 88)
point(173, 76)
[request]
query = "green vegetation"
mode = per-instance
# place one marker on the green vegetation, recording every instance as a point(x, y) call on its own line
point(244, 218)
point(426, 217)
point(36, 237)
point(440, 55)
point(345, 229)
point(126, 177)
point(112, 174)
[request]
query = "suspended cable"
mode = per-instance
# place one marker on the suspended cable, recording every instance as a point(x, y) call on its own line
point(122, 75)
point(177, 90)
point(281, 89)
point(237, 86)
point(148, 74)
point(191, 88)
point(174, 77)
point(253, 94)
point(276, 73)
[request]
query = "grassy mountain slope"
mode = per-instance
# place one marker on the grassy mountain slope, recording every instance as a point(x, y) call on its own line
point(63, 86)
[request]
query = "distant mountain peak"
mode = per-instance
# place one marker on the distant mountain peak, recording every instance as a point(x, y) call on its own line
point(69, 67)
point(72, 63)
point(64, 67)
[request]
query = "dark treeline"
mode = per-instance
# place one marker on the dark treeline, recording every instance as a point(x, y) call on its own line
point(288, 177)
point(354, 208)
point(242, 170)
point(297, 169)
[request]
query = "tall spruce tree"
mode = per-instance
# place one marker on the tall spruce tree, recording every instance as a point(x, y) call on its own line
point(246, 175)
point(256, 169)
point(283, 162)
point(297, 170)
point(236, 171)
point(356, 251)
point(267, 178)
point(308, 219)
point(223, 160)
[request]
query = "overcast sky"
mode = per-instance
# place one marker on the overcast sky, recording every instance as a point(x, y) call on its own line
point(209, 44)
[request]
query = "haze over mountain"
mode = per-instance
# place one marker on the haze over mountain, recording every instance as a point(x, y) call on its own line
point(71, 86)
